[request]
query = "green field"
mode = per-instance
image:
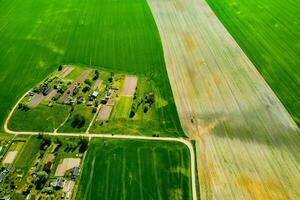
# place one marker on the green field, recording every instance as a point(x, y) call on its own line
point(37, 36)
point(130, 169)
point(41, 118)
point(268, 32)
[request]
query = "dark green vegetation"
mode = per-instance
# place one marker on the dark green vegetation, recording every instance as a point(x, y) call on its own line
point(269, 33)
point(126, 169)
point(37, 36)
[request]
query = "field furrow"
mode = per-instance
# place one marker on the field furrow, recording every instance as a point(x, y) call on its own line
point(245, 137)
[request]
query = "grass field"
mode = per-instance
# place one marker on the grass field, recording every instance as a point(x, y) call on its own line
point(41, 118)
point(269, 33)
point(247, 143)
point(38, 36)
point(129, 169)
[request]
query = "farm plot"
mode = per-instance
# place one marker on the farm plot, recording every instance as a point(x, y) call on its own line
point(33, 45)
point(129, 169)
point(271, 40)
point(247, 143)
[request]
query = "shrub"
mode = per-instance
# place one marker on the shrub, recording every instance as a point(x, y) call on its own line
point(78, 121)
point(60, 67)
point(132, 113)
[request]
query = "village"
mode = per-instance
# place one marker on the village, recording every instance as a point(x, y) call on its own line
point(53, 173)
point(84, 100)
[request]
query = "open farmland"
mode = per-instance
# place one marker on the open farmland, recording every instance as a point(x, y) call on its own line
point(247, 143)
point(131, 169)
point(269, 33)
point(119, 36)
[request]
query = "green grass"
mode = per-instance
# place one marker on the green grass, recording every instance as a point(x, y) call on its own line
point(268, 32)
point(28, 155)
point(37, 36)
point(41, 118)
point(122, 108)
point(128, 169)
point(84, 111)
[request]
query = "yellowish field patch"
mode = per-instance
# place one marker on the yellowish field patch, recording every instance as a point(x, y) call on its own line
point(10, 157)
point(67, 163)
point(240, 127)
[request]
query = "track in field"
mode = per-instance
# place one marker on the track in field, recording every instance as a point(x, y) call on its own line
point(130, 169)
point(247, 143)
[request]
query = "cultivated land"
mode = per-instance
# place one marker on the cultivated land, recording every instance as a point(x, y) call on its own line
point(38, 36)
point(131, 169)
point(247, 142)
point(269, 33)
point(91, 101)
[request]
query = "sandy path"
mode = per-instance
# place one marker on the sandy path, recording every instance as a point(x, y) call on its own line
point(129, 86)
point(242, 129)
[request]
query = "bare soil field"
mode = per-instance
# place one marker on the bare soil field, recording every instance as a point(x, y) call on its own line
point(10, 157)
point(129, 86)
point(67, 163)
point(50, 95)
point(97, 84)
point(247, 143)
point(36, 100)
point(83, 76)
point(65, 72)
point(104, 112)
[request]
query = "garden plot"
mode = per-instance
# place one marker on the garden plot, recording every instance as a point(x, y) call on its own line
point(36, 100)
point(67, 163)
point(97, 84)
point(129, 86)
point(65, 72)
point(10, 157)
point(241, 128)
point(104, 112)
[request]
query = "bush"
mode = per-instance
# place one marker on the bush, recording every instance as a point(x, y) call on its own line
point(94, 110)
point(88, 82)
point(96, 75)
point(60, 67)
point(85, 89)
point(78, 121)
point(132, 113)
point(146, 109)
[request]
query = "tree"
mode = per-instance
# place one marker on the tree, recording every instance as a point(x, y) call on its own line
point(88, 82)
point(85, 89)
point(132, 113)
point(96, 75)
point(146, 109)
point(78, 121)
point(84, 143)
point(60, 67)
